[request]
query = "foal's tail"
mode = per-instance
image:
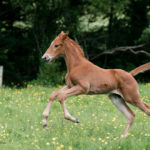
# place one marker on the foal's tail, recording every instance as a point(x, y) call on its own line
point(140, 69)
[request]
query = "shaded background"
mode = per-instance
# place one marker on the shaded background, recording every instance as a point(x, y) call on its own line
point(27, 28)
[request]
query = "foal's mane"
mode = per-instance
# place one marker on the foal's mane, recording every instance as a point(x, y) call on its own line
point(76, 45)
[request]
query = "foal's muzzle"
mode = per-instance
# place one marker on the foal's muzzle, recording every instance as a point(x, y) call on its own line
point(46, 59)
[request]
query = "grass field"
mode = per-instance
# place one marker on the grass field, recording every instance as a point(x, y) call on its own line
point(100, 127)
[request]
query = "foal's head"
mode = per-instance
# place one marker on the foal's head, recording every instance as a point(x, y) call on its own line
point(56, 48)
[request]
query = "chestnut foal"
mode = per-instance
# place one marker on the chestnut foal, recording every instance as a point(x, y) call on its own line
point(83, 77)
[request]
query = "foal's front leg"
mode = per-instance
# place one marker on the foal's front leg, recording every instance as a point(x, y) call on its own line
point(67, 114)
point(53, 96)
point(70, 92)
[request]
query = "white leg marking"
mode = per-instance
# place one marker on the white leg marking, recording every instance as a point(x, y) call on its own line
point(123, 107)
point(46, 112)
point(120, 104)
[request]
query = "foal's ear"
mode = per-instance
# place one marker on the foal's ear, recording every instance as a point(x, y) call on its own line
point(62, 32)
point(64, 35)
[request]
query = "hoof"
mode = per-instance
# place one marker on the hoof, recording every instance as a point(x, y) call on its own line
point(44, 125)
point(77, 121)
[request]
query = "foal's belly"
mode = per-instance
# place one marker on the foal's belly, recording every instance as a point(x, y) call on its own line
point(101, 89)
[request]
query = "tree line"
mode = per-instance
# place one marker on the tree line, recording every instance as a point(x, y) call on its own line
point(27, 27)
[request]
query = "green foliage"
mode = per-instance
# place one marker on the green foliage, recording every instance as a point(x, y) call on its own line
point(100, 127)
point(28, 27)
point(50, 74)
point(145, 36)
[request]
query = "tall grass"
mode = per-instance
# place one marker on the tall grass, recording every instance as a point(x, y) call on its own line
point(100, 127)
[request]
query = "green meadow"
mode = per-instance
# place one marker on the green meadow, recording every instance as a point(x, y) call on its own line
point(100, 127)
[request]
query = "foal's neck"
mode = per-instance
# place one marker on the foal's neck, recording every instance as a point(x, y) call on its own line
point(73, 54)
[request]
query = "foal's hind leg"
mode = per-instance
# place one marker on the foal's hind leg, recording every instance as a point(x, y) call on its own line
point(133, 98)
point(124, 108)
point(143, 106)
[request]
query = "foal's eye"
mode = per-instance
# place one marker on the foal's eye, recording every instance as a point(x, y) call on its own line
point(56, 45)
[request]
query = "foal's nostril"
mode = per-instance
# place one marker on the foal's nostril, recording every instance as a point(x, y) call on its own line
point(45, 59)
